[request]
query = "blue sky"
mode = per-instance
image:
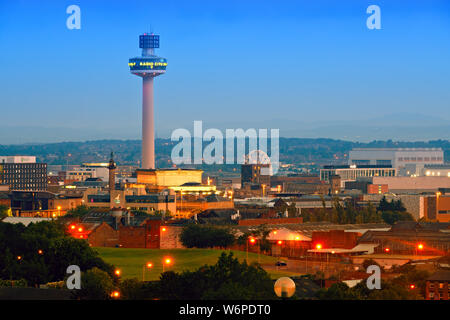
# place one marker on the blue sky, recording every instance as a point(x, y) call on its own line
point(239, 63)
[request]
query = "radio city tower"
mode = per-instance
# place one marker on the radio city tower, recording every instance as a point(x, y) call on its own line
point(148, 66)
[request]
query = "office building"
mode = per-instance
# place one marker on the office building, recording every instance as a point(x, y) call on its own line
point(23, 173)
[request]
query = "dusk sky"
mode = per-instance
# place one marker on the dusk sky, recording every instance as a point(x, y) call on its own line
point(231, 63)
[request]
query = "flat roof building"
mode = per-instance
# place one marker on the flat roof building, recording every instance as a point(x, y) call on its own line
point(353, 172)
point(398, 158)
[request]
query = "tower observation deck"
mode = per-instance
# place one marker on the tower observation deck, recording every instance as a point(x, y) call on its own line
point(148, 66)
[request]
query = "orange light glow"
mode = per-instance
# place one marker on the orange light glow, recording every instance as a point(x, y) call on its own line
point(72, 227)
point(387, 249)
point(80, 229)
point(40, 251)
point(297, 238)
point(420, 246)
point(252, 240)
point(81, 237)
point(412, 286)
point(115, 294)
point(318, 246)
point(163, 229)
point(19, 258)
point(168, 261)
point(280, 242)
point(117, 272)
point(149, 265)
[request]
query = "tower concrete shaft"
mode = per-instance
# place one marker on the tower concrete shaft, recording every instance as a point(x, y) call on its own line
point(148, 124)
point(148, 66)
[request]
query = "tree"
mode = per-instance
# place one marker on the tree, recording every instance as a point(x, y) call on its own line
point(78, 212)
point(338, 291)
point(206, 236)
point(3, 211)
point(131, 289)
point(391, 217)
point(41, 253)
point(227, 279)
point(95, 285)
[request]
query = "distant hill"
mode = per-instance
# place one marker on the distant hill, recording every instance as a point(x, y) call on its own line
point(292, 150)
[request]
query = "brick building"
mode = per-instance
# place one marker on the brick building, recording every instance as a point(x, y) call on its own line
point(437, 286)
point(335, 239)
point(410, 237)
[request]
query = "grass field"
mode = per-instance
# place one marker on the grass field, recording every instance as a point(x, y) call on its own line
point(131, 261)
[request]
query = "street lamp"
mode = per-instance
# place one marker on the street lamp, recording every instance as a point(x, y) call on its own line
point(167, 261)
point(118, 272)
point(252, 242)
point(148, 265)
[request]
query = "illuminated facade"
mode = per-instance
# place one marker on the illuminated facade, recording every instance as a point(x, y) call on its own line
point(148, 66)
point(164, 178)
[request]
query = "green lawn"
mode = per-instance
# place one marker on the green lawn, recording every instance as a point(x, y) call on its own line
point(131, 261)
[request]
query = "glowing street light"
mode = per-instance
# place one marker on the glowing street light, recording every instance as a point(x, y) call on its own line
point(387, 250)
point(148, 265)
point(115, 295)
point(40, 251)
point(420, 246)
point(280, 242)
point(118, 272)
point(412, 286)
point(318, 246)
point(19, 257)
point(167, 261)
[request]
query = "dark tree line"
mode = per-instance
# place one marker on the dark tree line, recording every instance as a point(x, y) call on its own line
point(206, 236)
point(348, 213)
point(41, 252)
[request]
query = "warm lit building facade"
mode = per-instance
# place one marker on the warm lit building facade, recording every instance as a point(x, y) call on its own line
point(164, 178)
point(436, 207)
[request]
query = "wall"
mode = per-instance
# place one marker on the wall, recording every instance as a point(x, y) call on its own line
point(255, 222)
point(104, 236)
point(335, 239)
point(170, 237)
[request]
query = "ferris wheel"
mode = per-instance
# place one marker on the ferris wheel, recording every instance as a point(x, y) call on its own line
point(259, 157)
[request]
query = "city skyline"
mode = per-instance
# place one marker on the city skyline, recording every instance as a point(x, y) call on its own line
point(331, 70)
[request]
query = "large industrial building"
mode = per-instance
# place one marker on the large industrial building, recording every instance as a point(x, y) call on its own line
point(406, 161)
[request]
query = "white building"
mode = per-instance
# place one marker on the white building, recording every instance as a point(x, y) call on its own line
point(406, 161)
point(17, 159)
point(89, 170)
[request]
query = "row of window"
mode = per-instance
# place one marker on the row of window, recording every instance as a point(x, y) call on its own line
point(419, 159)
